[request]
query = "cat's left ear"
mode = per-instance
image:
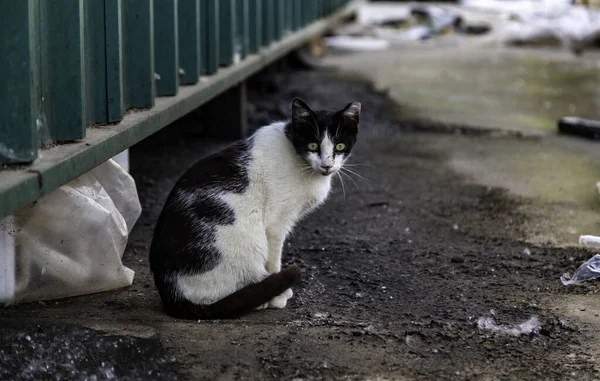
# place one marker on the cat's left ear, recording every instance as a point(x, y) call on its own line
point(351, 113)
point(300, 111)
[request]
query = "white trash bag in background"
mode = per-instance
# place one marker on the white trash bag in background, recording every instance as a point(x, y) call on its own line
point(70, 242)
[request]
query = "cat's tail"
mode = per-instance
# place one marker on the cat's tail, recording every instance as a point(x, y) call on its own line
point(240, 302)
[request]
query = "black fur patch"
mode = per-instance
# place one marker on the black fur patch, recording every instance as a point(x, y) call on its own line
point(185, 233)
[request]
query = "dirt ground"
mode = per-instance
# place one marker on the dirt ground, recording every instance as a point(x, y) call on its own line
point(398, 269)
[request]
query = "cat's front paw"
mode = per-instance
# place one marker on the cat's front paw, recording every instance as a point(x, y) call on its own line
point(280, 301)
point(262, 306)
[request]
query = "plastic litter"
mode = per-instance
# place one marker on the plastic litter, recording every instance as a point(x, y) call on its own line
point(381, 14)
point(544, 22)
point(401, 22)
point(587, 128)
point(70, 242)
point(590, 241)
point(590, 270)
point(438, 19)
point(532, 325)
point(357, 43)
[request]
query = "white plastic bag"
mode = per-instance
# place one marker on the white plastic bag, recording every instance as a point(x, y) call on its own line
point(70, 242)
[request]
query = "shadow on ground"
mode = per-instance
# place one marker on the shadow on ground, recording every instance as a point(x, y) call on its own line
point(398, 268)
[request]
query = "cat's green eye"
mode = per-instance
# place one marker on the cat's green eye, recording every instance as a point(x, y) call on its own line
point(340, 147)
point(313, 146)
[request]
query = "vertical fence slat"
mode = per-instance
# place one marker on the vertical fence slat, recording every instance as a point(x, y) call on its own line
point(267, 22)
point(289, 16)
point(255, 25)
point(189, 40)
point(209, 35)
point(227, 51)
point(62, 72)
point(297, 12)
point(114, 60)
point(18, 67)
point(277, 19)
point(166, 56)
point(138, 53)
point(95, 62)
point(243, 26)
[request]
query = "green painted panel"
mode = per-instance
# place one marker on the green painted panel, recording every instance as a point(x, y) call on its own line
point(114, 60)
point(209, 32)
point(95, 62)
point(279, 19)
point(297, 13)
point(255, 25)
point(166, 55)
point(18, 104)
point(63, 163)
point(242, 26)
point(189, 40)
point(227, 27)
point(138, 53)
point(268, 22)
point(62, 68)
point(289, 16)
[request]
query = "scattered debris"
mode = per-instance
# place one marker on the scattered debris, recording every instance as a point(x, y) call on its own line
point(439, 20)
point(544, 22)
point(590, 241)
point(378, 24)
point(350, 43)
point(526, 251)
point(377, 204)
point(382, 14)
point(588, 128)
point(590, 270)
point(532, 325)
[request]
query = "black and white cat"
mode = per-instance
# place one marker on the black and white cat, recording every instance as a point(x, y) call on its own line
point(216, 251)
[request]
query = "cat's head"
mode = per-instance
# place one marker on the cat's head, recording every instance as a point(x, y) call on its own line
point(323, 138)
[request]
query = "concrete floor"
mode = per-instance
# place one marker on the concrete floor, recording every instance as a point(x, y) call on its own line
point(483, 86)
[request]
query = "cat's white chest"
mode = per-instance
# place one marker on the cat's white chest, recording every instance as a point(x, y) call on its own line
point(289, 200)
point(288, 188)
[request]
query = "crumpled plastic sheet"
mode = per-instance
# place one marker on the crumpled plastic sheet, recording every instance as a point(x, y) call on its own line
point(70, 242)
point(590, 270)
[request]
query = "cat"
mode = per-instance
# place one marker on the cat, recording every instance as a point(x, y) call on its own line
point(216, 249)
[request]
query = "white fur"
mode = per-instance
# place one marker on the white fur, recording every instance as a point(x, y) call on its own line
point(281, 190)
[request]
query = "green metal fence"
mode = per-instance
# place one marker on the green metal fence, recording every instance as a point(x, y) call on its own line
point(69, 64)
point(82, 80)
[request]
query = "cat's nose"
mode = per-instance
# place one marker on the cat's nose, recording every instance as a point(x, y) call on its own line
point(326, 167)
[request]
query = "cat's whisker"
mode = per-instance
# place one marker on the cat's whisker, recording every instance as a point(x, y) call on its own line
point(357, 174)
point(306, 170)
point(359, 165)
point(343, 186)
point(351, 179)
point(307, 173)
point(360, 177)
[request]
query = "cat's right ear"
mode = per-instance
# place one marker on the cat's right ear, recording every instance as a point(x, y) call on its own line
point(300, 111)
